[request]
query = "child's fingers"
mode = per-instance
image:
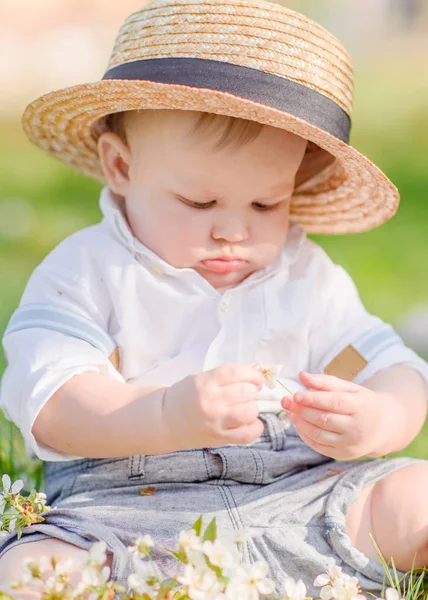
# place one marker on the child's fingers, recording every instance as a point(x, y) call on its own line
point(316, 435)
point(228, 374)
point(322, 449)
point(238, 393)
point(245, 434)
point(328, 421)
point(334, 402)
point(327, 383)
point(241, 414)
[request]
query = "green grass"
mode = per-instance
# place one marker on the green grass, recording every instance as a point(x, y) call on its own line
point(387, 264)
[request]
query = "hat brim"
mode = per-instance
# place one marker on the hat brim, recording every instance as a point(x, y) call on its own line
point(350, 195)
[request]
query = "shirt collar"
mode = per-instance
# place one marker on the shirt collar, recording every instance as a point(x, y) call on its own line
point(112, 209)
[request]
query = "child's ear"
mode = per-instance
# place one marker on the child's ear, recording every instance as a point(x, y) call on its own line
point(115, 159)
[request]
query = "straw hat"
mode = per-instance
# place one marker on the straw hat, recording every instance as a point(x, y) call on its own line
point(249, 59)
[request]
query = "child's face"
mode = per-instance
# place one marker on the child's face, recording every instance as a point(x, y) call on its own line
point(223, 213)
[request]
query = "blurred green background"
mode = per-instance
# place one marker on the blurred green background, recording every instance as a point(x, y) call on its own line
point(42, 201)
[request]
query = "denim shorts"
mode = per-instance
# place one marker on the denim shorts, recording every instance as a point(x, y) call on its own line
point(295, 498)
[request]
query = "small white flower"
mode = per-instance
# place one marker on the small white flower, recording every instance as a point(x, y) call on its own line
point(222, 553)
point(93, 576)
point(147, 577)
point(201, 582)
point(65, 566)
point(141, 546)
point(189, 540)
point(294, 590)
point(271, 375)
point(147, 569)
point(338, 585)
point(53, 585)
point(329, 576)
point(240, 536)
point(249, 582)
point(40, 499)
point(97, 554)
point(79, 589)
point(12, 525)
point(392, 594)
point(11, 489)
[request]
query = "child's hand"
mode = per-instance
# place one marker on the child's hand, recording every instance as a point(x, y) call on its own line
point(338, 418)
point(214, 408)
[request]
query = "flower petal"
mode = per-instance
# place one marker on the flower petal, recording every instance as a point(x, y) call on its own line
point(17, 486)
point(323, 579)
point(6, 482)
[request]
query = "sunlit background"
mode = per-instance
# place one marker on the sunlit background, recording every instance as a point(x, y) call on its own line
point(51, 44)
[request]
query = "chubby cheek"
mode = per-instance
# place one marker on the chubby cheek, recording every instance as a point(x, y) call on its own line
point(270, 236)
point(176, 238)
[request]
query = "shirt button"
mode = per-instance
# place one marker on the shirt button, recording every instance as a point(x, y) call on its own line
point(157, 270)
point(224, 306)
point(285, 419)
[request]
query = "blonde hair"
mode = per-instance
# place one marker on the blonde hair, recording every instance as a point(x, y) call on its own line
point(234, 131)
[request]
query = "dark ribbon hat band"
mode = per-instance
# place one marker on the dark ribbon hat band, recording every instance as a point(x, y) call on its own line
point(244, 82)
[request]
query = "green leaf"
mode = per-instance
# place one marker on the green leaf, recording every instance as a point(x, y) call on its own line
point(383, 562)
point(211, 532)
point(180, 556)
point(217, 570)
point(197, 526)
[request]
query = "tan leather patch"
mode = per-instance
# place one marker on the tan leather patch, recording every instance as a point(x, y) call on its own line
point(114, 358)
point(347, 364)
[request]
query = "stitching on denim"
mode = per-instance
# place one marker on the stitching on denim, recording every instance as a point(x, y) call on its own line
point(271, 430)
point(235, 517)
point(207, 467)
point(258, 475)
point(141, 463)
point(136, 472)
point(225, 466)
point(280, 434)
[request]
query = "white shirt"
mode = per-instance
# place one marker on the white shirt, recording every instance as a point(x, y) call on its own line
point(101, 288)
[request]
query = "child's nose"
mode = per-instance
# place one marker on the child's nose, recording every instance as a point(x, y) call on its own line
point(231, 229)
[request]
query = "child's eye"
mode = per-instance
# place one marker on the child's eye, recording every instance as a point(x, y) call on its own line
point(263, 207)
point(197, 204)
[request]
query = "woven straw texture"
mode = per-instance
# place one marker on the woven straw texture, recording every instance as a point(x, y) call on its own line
point(350, 194)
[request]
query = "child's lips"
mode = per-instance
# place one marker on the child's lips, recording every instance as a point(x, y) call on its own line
point(224, 265)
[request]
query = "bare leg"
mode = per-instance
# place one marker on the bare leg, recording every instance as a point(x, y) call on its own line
point(12, 569)
point(394, 510)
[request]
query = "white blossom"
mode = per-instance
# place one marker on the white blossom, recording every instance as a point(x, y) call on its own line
point(249, 581)
point(43, 565)
point(40, 499)
point(294, 590)
point(271, 375)
point(392, 594)
point(240, 536)
point(201, 583)
point(93, 576)
point(97, 554)
point(141, 546)
point(222, 553)
point(12, 525)
point(147, 577)
point(8, 488)
point(79, 589)
point(189, 540)
point(338, 585)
